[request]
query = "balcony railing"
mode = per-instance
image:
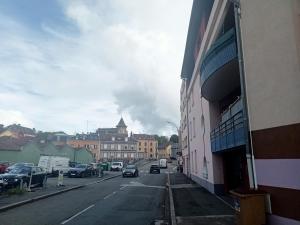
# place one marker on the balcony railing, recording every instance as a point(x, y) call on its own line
point(221, 52)
point(231, 132)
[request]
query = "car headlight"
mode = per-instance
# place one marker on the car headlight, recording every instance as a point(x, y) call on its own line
point(16, 179)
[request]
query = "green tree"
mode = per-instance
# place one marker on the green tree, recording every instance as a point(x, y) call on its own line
point(174, 138)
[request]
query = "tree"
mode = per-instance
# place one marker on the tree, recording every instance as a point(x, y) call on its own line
point(174, 138)
point(161, 139)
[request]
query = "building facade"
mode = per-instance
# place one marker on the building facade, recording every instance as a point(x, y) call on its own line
point(88, 141)
point(164, 151)
point(116, 144)
point(147, 146)
point(240, 111)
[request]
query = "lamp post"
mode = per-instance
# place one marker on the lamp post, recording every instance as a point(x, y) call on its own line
point(178, 132)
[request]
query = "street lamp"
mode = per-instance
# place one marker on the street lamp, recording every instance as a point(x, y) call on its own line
point(178, 131)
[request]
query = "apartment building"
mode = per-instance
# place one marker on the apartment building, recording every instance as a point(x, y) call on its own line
point(164, 151)
point(147, 146)
point(89, 141)
point(241, 79)
point(115, 143)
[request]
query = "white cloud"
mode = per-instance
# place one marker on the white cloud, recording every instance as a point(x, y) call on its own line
point(126, 58)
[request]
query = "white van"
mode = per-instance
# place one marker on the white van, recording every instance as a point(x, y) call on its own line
point(53, 164)
point(163, 163)
point(116, 166)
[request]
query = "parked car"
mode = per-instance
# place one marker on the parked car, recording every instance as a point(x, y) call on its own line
point(130, 171)
point(154, 168)
point(16, 165)
point(53, 164)
point(22, 174)
point(163, 163)
point(116, 166)
point(81, 170)
point(3, 166)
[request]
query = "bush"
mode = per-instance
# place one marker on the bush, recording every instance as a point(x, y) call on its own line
point(15, 191)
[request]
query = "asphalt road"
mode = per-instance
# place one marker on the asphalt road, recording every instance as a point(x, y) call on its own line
point(132, 201)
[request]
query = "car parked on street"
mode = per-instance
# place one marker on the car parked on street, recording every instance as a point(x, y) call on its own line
point(81, 170)
point(116, 166)
point(154, 168)
point(27, 175)
point(16, 165)
point(130, 171)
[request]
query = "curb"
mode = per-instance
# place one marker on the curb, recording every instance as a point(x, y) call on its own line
point(14, 205)
point(34, 199)
point(172, 208)
point(17, 204)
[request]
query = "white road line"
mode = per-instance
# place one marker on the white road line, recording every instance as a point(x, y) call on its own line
point(107, 196)
point(77, 214)
point(123, 187)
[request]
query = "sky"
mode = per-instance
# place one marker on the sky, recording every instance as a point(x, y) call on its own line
point(74, 66)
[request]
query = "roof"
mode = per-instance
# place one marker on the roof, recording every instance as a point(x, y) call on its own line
point(19, 128)
point(143, 137)
point(200, 13)
point(11, 143)
point(121, 123)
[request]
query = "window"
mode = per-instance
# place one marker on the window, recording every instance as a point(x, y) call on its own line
point(125, 147)
point(105, 146)
point(119, 147)
point(145, 143)
point(113, 138)
point(112, 146)
point(140, 149)
point(195, 156)
point(132, 147)
point(140, 143)
point(194, 127)
point(190, 130)
point(150, 143)
point(126, 139)
point(150, 149)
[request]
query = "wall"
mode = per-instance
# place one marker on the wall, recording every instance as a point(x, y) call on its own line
point(271, 38)
point(32, 151)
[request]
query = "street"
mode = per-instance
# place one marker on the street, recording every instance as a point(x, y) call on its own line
point(116, 201)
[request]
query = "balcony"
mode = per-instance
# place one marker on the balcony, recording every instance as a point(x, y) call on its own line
point(230, 133)
point(219, 71)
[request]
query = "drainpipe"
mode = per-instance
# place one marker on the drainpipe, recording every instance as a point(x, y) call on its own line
point(249, 150)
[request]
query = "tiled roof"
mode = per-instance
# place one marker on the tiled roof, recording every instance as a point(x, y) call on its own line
point(143, 137)
point(19, 128)
point(10, 143)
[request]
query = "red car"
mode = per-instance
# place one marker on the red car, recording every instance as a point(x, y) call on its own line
point(3, 166)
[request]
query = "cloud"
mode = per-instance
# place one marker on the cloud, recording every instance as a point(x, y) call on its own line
point(121, 59)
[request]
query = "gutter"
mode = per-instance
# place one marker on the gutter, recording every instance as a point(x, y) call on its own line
point(249, 150)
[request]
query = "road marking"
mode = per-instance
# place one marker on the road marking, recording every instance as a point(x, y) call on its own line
point(123, 187)
point(77, 214)
point(138, 184)
point(107, 196)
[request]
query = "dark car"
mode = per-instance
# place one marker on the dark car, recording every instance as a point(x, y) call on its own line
point(154, 169)
point(130, 171)
point(16, 165)
point(81, 170)
point(19, 175)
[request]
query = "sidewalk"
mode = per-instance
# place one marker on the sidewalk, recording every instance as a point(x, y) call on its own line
point(195, 205)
